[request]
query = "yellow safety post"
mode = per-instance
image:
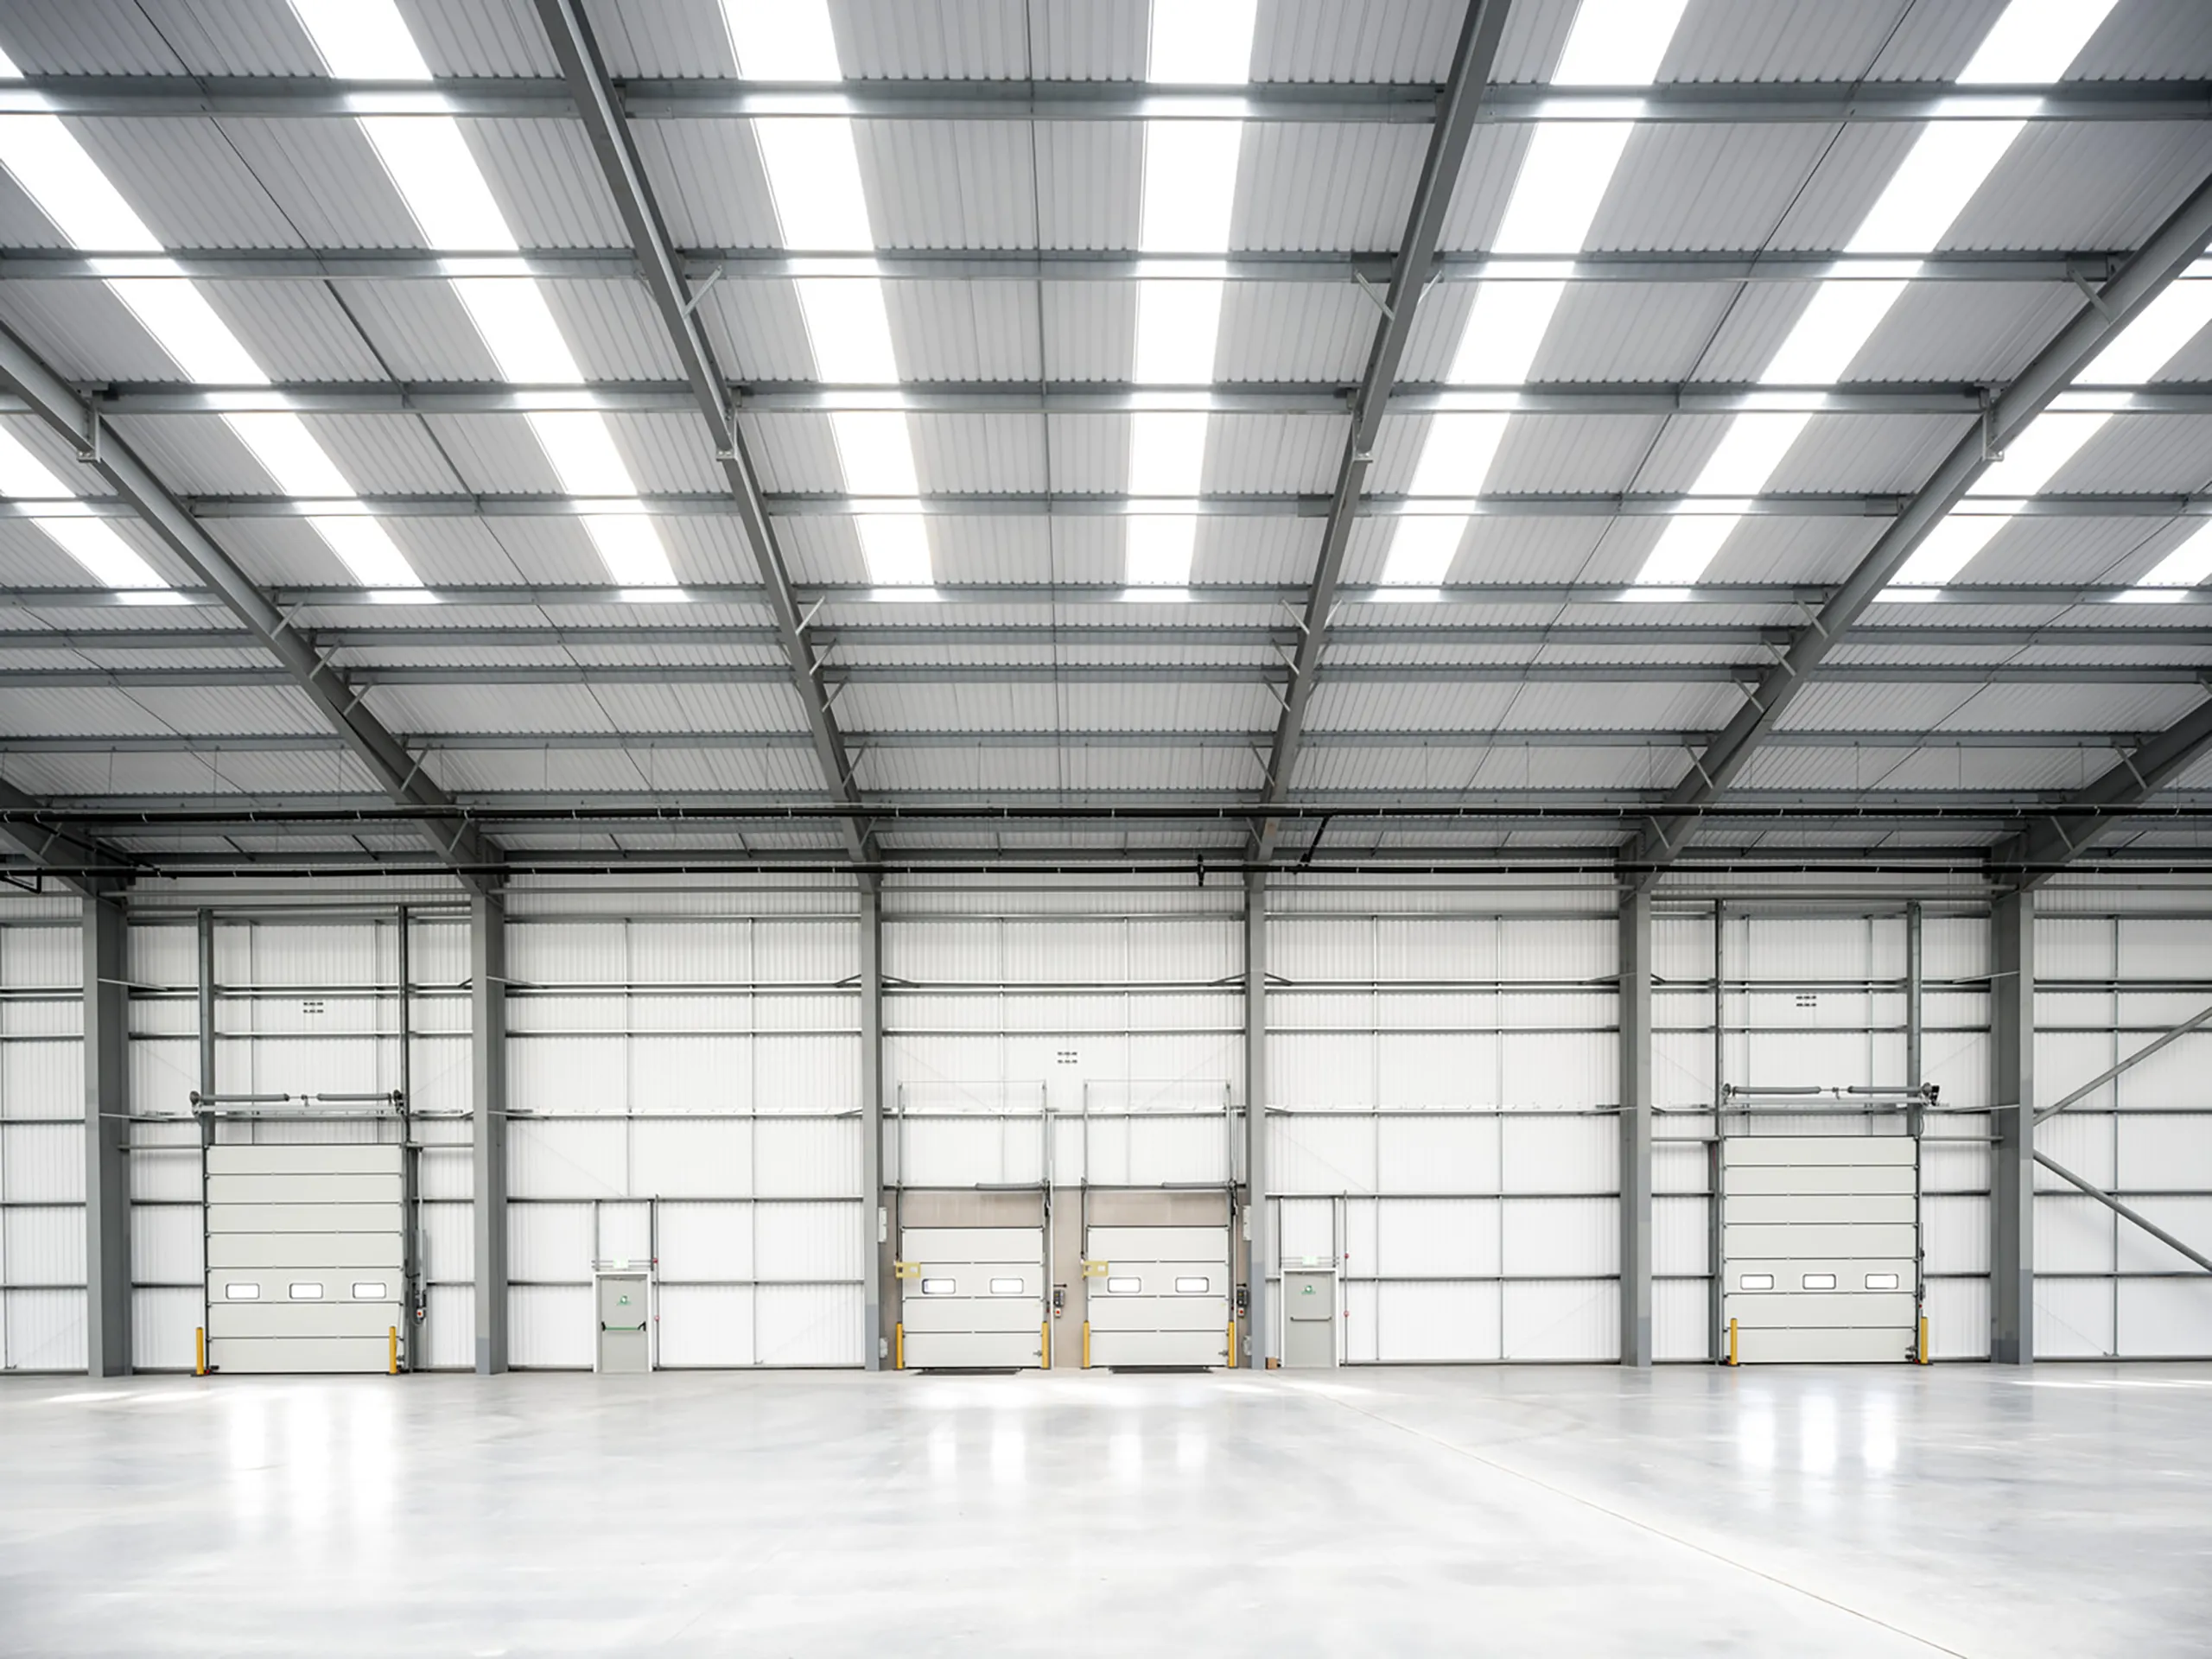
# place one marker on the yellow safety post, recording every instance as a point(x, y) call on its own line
point(899, 1347)
point(199, 1351)
point(1732, 1342)
point(1045, 1343)
point(1086, 1345)
point(391, 1350)
point(1923, 1338)
point(1232, 1345)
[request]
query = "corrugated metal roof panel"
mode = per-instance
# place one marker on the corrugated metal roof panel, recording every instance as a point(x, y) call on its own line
point(1363, 41)
point(1544, 452)
point(1325, 185)
point(489, 707)
point(1630, 331)
point(2147, 40)
point(1229, 550)
point(480, 37)
point(1779, 39)
point(662, 40)
point(708, 178)
point(2071, 550)
point(612, 330)
point(1367, 705)
point(295, 331)
point(547, 183)
point(1935, 42)
point(74, 711)
point(756, 706)
point(1853, 173)
point(1699, 185)
point(758, 331)
point(794, 453)
point(1494, 158)
point(964, 330)
point(1859, 707)
point(976, 454)
point(2155, 454)
point(1875, 454)
point(383, 455)
point(1995, 769)
point(932, 40)
point(84, 333)
point(985, 770)
point(194, 454)
point(669, 452)
point(821, 549)
point(1090, 40)
point(238, 37)
point(238, 772)
point(2073, 708)
point(1775, 548)
point(1982, 333)
point(1091, 452)
point(1272, 454)
point(1757, 320)
point(2066, 184)
point(949, 184)
point(85, 37)
point(419, 331)
point(1090, 330)
point(495, 454)
point(1294, 331)
point(326, 179)
point(1549, 705)
point(186, 182)
point(21, 223)
point(1090, 182)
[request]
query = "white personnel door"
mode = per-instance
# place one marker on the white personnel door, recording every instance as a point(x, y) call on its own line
point(1158, 1295)
point(972, 1297)
point(304, 1261)
point(1820, 1242)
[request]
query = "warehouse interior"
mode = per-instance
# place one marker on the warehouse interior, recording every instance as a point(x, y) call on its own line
point(1280, 825)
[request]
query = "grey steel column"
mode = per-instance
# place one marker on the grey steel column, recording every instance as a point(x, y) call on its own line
point(2012, 1163)
point(488, 1026)
point(873, 1334)
point(107, 1181)
point(1636, 1128)
point(1260, 1253)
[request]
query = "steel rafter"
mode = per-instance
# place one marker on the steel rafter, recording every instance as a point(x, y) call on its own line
point(51, 846)
point(2168, 252)
point(1439, 176)
point(336, 700)
point(2140, 772)
point(624, 172)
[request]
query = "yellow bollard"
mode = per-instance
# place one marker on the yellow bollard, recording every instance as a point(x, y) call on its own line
point(391, 1350)
point(199, 1351)
point(1044, 1345)
point(1232, 1345)
point(1923, 1338)
point(1086, 1345)
point(1732, 1342)
point(899, 1347)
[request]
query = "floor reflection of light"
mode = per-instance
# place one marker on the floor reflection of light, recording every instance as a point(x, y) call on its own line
point(1190, 1450)
point(1008, 1451)
point(248, 1439)
point(1125, 1451)
point(1816, 1435)
point(373, 1450)
point(944, 1454)
point(1755, 1434)
point(1877, 1440)
point(308, 1459)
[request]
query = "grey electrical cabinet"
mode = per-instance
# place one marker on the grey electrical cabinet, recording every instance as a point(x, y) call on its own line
point(624, 1303)
point(1309, 1318)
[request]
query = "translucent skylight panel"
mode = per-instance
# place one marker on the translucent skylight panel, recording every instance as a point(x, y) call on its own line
point(180, 319)
point(436, 174)
point(1618, 43)
point(68, 185)
point(1422, 549)
point(1565, 173)
point(1178, 328)
point(362, 40)
point(848, 325)
point(517, 325)
point(2033, 41)
point(1166, 453)
point(876, 451)
point(630, 547)
point(288, 453)
point(582, 451)
point(1158, 549)
point(2158, 332)
point(2185, 567)
point(367, 550)
point(896, 546)
point(1190, 185)
point(1455, 455)
point(94, 544)
point(783, 40)
point(1504, 329)
point(1201, 42)
point(814, 172)
point(1830, 332)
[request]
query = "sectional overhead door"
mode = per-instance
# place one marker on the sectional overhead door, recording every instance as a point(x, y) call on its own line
point(1158, 1295)
point(972, 1298)
point(1821, 1242)
point(304, 1257)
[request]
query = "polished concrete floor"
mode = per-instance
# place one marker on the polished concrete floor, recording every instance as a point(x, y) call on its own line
point(1956, 1509)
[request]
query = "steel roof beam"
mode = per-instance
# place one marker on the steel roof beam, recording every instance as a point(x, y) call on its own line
point(1089, 397)
point(1112, 505)
point(2133, 781)
point(533, 98)
point(28, 264)
point(432, 742)
point(2168, 252)
point(301, 667)
point(1448, 143)
point(593, 101)
point(51, 847)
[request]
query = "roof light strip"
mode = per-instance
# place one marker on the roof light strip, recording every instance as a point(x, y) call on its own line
point(1564, 176)
point(1189, 199)
point(46, 158)
point(814, 174)
point(2031, 42)
point(430, 163)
